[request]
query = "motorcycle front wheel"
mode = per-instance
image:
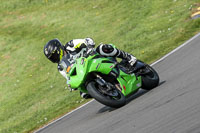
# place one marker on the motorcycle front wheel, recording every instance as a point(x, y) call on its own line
point(114, 98)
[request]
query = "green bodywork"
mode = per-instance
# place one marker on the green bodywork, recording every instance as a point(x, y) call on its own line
point(83, 66)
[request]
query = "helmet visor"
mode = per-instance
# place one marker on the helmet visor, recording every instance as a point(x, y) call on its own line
point(54, 57)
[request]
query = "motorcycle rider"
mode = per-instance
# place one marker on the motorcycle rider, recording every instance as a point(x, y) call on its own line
point(66, 55)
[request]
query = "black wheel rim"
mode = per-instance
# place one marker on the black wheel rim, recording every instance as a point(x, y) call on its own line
point(110, 94)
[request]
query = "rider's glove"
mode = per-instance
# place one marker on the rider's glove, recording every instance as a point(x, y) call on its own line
point(89, 42)
point(90, 45)
point(131, 60)
point(90, 50)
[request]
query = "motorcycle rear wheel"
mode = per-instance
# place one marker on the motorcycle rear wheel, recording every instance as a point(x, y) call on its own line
point(105, 99)
point(150, 80)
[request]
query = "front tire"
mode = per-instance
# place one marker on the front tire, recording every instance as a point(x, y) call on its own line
point(114, 102)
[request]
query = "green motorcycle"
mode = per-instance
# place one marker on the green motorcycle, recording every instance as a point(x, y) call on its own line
point(108, 81)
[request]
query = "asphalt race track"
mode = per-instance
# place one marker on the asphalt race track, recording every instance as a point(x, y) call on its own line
point(172, 107)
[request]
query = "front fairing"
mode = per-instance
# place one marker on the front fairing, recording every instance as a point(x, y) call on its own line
point(83, 66)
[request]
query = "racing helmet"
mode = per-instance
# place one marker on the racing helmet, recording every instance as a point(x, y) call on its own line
point(54, 50)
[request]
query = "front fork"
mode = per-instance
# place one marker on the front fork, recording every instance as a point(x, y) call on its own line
point(108, 86)
point(99, 80)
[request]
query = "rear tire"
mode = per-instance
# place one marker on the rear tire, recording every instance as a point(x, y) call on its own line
point(151, 79)
point(105, 99)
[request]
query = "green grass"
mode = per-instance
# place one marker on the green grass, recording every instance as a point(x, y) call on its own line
point(32, 92)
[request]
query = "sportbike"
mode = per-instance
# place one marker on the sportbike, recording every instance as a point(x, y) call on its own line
point(108, 81)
